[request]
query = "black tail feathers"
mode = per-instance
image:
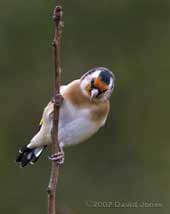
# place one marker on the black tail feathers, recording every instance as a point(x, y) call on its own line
point(29, 155)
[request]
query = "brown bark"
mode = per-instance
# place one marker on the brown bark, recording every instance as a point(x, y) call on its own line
point(57, 100)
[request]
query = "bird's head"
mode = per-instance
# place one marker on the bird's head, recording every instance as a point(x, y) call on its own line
point(98, 83)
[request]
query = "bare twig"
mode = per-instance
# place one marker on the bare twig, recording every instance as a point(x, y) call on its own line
point(57, 17)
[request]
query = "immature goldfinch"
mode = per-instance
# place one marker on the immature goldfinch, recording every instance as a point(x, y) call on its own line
point(84, 110)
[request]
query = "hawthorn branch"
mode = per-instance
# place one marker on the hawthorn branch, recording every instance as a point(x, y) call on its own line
point(57, 100)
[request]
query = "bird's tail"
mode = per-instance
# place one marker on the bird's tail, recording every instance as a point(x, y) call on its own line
point(29, 155)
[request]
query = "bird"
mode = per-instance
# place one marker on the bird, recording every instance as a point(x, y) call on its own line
point(84, 110)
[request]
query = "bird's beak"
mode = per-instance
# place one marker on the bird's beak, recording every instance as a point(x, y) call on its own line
point(94, 93)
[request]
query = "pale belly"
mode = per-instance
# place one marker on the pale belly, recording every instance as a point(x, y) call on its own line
point(76, 131)
point(75, 125)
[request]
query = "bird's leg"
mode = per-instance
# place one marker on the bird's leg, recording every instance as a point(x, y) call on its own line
point(58, 157)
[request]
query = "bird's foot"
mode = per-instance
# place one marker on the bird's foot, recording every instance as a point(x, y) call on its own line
point(58, 99)
point(58, 157)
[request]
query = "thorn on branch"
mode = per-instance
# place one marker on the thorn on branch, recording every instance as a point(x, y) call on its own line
point(54, 43)
point(48, 190)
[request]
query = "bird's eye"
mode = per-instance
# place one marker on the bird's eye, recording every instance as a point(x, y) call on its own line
point(104, 91)
point(92, 83)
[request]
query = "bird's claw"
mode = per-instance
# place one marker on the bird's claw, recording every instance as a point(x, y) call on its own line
point(58, 99)
point(58, 157)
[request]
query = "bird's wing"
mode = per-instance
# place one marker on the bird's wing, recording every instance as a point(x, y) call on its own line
point(41, 121)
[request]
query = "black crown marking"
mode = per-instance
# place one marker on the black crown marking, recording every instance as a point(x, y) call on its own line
point(105, 76)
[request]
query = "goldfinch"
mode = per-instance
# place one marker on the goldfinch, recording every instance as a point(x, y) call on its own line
point(84, 110)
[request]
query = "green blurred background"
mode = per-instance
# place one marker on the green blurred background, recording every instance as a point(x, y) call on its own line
point(128, 160)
